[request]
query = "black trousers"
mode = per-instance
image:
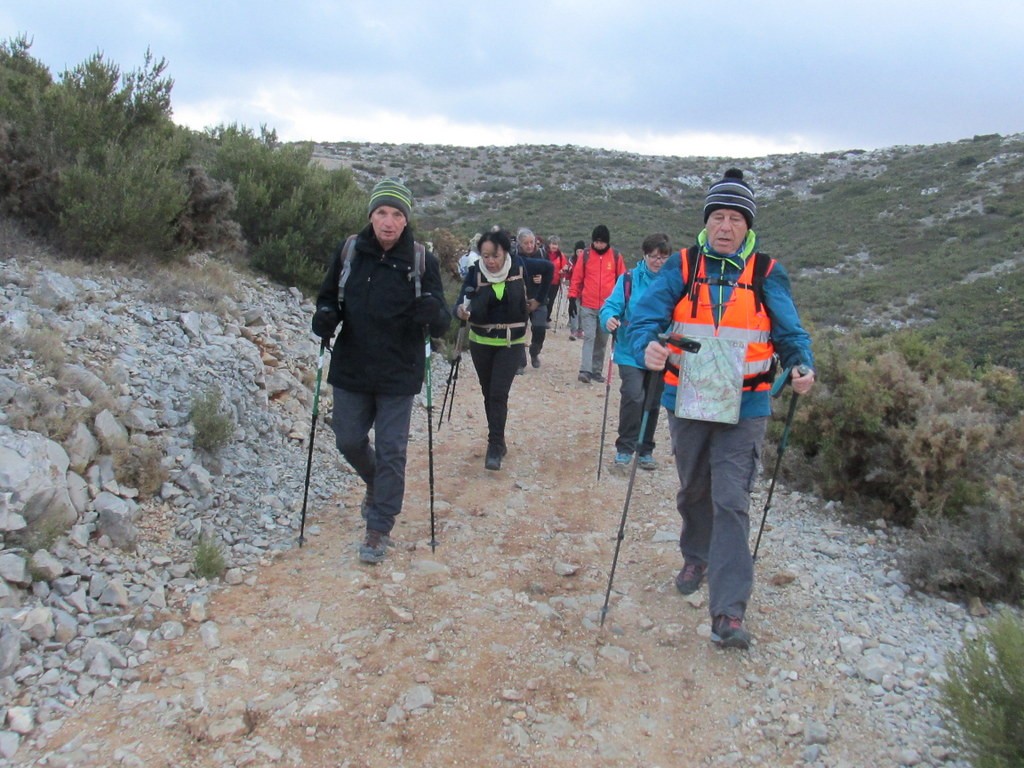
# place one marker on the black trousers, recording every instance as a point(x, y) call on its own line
point(496, 369)
point(631, 411)
point(538, 330)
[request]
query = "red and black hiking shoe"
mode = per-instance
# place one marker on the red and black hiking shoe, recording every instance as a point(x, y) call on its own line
point(728, 632)
point(689, 579)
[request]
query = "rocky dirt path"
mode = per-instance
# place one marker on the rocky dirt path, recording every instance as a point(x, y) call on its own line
point(489, 651)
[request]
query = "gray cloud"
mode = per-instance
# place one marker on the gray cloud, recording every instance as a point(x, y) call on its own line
point(795, 75)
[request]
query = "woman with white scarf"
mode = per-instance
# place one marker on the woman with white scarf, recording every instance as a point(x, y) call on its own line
point(493, 301)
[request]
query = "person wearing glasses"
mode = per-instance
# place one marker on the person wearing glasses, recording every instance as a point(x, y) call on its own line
point(615, 311)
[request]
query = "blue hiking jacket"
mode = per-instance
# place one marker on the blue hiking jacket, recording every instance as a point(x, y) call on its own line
point(615, 306)
point(652, 314)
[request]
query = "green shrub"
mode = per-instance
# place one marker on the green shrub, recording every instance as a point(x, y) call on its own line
point(898, 428)
point(293, 214)
point(127, 203)
point(893, 429)
point(984, 695)
point(213, 427)
point(28, 179)
point(208, 560)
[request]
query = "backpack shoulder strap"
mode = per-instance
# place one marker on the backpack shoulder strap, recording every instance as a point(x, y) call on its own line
point(763, 264)
point(691, 258)
point(346, 265)
point(419, 266)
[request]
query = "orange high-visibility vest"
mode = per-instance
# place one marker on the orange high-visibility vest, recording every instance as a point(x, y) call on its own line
point(743, 318)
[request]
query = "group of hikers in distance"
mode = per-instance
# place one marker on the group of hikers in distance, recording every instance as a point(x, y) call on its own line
point(704, 331)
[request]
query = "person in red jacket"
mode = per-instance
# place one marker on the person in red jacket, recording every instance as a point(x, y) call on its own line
point(593, 278)
point(561, 264)
point(575, 330)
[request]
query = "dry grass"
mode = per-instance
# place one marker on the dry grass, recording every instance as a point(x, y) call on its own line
point(201, 284)
point(47, 354)
point(140, 466)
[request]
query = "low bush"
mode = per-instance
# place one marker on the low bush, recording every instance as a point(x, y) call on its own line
point(140, 467)
point(208, 560)
point(899, 428)
point(213, 428)
point(984, 695)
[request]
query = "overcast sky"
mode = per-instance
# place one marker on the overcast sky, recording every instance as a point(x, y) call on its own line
point(744, 78)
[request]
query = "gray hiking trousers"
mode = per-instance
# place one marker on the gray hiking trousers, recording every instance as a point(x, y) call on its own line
point(381, 465)
point(717, 466)
point(595, 343)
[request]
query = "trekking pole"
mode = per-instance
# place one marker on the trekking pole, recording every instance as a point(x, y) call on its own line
point(804, 370)
point(312, 434)
point(430, 440)
point(429, 379)
point(453, 375)
point(650, 392)
point(558, 306)
point(604, 419)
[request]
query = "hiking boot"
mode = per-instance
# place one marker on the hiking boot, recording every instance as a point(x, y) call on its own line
point(728, 632)
point(572, 336)
point(584, 377)
point(623, 460)
point(535, 360)
point(647, 462)
point(494, 454)
point(599, 378)
point(374, 547)
point(689, 579)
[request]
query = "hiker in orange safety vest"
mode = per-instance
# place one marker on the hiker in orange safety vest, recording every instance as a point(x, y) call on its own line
point(737, 303)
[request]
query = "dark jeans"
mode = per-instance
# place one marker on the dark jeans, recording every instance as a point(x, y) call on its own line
point(538, 329)
point(631, 410)
point(552, 295)
point(382, 465)
point(496, 370)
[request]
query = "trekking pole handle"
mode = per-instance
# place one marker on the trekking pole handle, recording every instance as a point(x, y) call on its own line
point(803, 369)
point(678, 340)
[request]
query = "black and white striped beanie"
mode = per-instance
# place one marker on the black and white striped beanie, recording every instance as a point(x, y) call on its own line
point(731, 192)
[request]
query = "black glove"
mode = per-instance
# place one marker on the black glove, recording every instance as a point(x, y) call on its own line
point(573, 310)
point(325, 320)
point(426, 310)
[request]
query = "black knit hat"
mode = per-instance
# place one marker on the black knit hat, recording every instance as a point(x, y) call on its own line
point(731, 192)
point(580, 246)
point(601, 233)
point(391, 192)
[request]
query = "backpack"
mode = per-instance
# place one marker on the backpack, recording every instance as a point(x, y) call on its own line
point(763, 264)
point(618, 261)
point(419, 265)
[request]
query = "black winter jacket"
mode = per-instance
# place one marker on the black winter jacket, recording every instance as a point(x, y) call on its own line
point(379, 348)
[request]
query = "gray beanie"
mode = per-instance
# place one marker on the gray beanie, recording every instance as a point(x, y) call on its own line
point(391, 192)
point(731, 192)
